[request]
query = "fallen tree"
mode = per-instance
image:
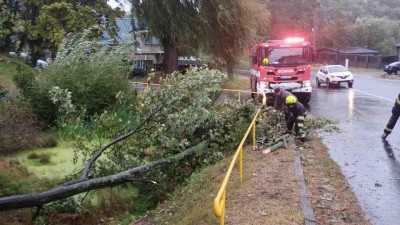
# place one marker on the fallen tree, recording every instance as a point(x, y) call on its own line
point(84, 185)
point(157, 129)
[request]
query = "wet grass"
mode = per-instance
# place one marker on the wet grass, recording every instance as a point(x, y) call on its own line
point(50, 163)
point(7, 69)
point(238, 83)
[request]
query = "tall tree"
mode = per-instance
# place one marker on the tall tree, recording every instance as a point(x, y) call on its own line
point(335, 32)
point(292, 18)
point(8, 14)
point(43, 24)
point(223, 27)
point(175, 23)
point(380, 34)
point(232, 26)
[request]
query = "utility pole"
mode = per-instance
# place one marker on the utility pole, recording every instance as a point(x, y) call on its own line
point(314, 30)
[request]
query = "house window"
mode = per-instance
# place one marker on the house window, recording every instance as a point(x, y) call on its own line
point(152, 41)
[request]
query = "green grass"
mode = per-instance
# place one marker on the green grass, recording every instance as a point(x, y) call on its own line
point(238, 83)
point(60, 162)
point(7, 70)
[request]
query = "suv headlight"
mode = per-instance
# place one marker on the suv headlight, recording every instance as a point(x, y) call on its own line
point(307, 83)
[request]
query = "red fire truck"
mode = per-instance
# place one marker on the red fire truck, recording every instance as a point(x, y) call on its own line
point(284, 64)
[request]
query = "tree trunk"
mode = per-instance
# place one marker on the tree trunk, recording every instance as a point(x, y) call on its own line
point(67, 190)
point(229, 69)
point(170, 62)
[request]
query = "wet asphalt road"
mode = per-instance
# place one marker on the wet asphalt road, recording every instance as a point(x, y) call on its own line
point(371, 165)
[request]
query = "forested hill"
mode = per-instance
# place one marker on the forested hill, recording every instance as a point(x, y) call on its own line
point(374, 24)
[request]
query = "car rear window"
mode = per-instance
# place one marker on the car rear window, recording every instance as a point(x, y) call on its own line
point(394, 64)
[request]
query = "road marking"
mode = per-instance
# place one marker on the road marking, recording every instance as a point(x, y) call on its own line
point(390, 100)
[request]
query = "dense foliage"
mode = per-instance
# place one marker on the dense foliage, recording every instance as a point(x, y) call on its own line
point(38, 25)
point(372, 24)
point(90, 71)
point(224, 27)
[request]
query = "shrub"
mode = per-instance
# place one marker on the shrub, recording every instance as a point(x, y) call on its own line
point(88, 70)
point(48, 141)
point(19, 128)
point(35, 91)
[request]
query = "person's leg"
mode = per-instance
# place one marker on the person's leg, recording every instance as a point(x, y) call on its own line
point(390, 125)
point(289, 124)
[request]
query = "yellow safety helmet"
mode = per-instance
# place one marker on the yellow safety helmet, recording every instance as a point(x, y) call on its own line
point(290, 99)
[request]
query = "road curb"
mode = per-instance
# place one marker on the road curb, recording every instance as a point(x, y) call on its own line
point(309, 218)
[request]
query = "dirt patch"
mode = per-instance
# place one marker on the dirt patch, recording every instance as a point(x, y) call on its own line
point(269, 193)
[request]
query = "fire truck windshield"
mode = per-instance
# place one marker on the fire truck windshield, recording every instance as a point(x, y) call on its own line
point(286, 56)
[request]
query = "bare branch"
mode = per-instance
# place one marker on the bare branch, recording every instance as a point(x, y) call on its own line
point(102, 149)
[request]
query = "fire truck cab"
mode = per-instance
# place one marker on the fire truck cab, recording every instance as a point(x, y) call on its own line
point(284, 64)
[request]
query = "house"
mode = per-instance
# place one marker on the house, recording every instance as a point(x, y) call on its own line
point(148, 49)
point(350, 50)
point(354, 56)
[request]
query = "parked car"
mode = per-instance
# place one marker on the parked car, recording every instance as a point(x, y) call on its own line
point(392, 68)
point(334, 75)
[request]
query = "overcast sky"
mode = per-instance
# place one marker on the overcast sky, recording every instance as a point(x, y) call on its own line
point(125, 5)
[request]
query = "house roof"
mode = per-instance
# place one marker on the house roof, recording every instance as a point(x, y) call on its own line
point(352, 50)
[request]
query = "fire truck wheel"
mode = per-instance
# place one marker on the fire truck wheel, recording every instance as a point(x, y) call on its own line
point(304, 98)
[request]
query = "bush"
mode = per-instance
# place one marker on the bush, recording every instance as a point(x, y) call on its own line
point(19, 128)
point(35, 90)
point(48, 141)
point(88, 71)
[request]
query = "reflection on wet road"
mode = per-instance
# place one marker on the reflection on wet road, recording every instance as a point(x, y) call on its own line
point(371, 165)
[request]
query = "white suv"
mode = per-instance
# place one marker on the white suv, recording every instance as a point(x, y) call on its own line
point(334, 75)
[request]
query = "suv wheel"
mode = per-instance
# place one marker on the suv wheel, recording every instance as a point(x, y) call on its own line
point(328, 83)
point(318, 82)
point(350, 84)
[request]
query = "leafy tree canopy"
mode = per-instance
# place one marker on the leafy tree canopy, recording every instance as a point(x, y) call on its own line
point(43, 24)
point(223, 28)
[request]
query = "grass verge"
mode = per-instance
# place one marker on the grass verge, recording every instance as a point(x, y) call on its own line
point(7, 69)
point(267, 195)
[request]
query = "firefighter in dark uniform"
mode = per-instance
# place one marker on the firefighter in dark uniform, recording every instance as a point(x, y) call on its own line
point(393, 119)
point(280, 98)
point(296, 116)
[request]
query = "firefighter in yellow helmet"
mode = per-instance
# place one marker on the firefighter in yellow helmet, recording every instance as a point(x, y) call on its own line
point(265, 61)
point(297, 113)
